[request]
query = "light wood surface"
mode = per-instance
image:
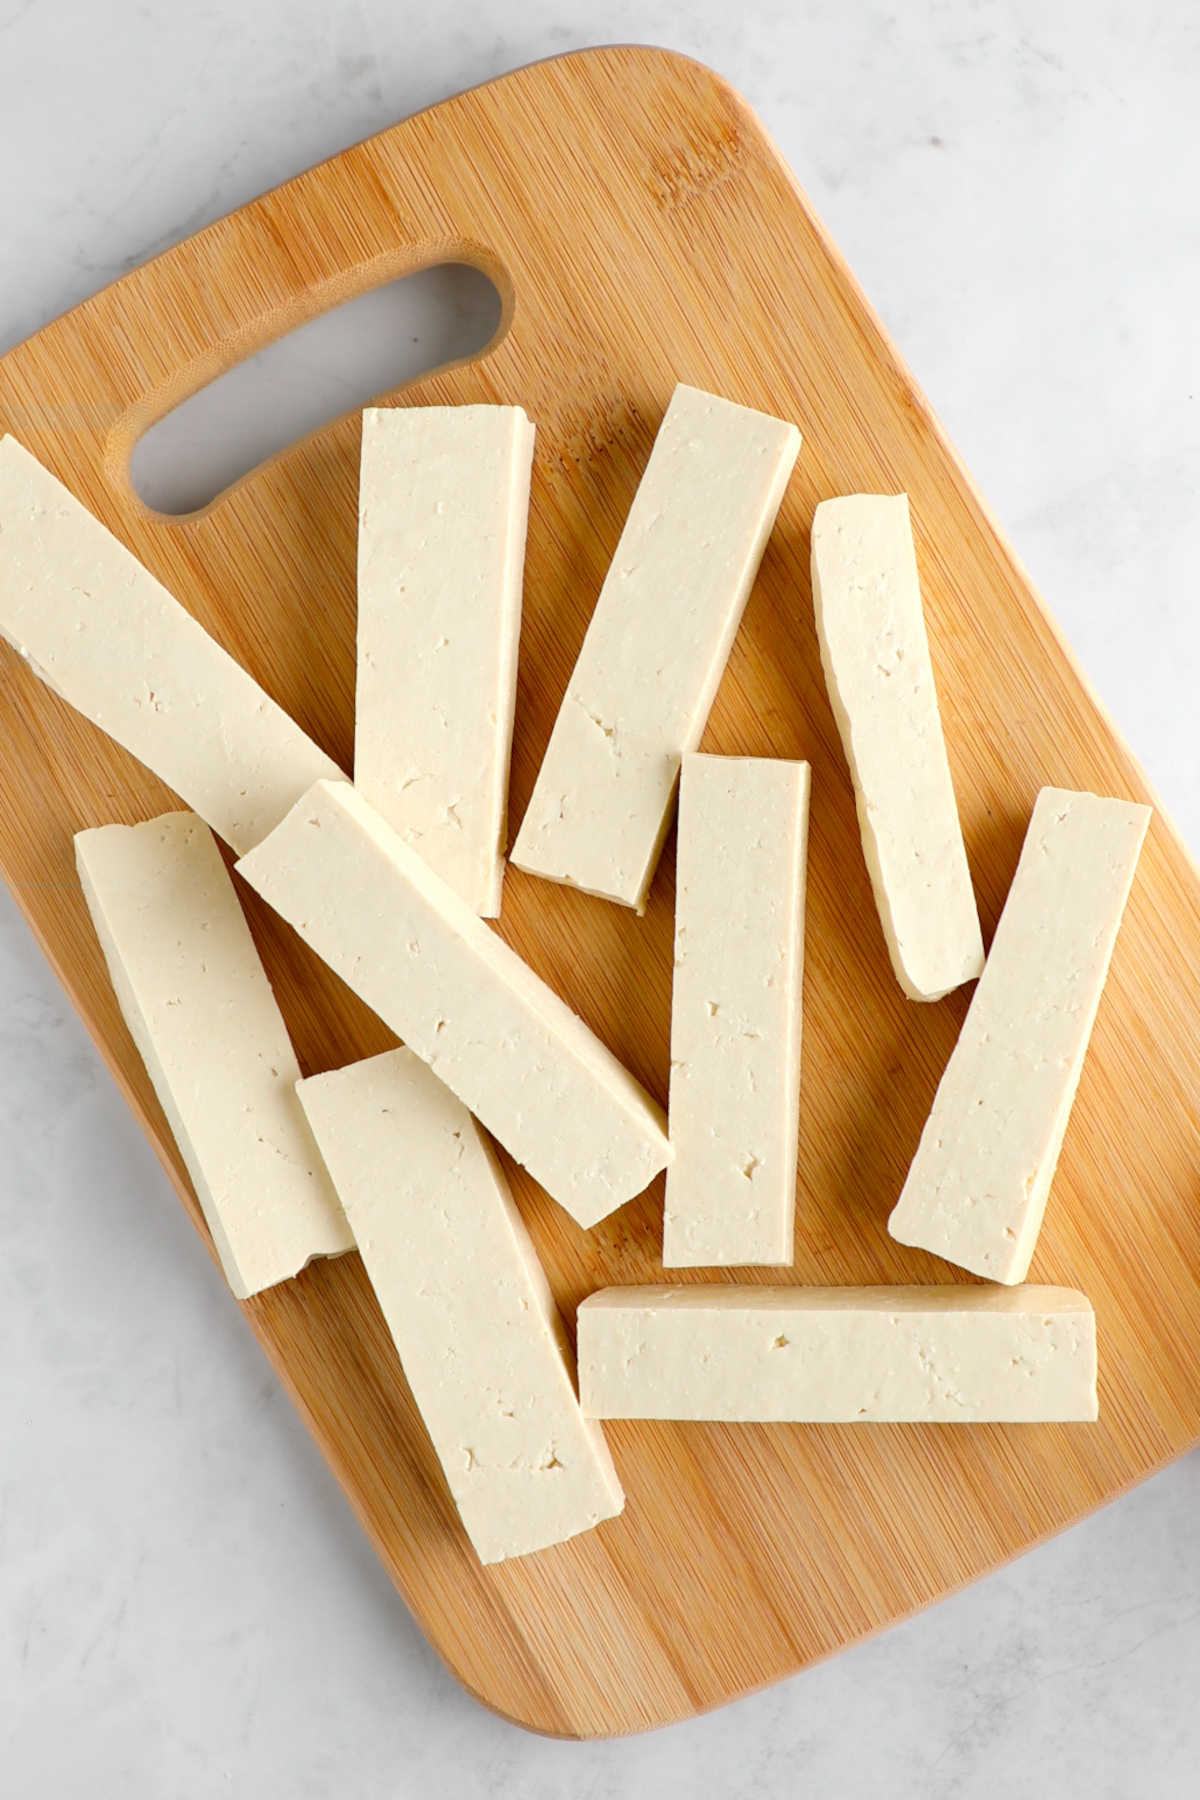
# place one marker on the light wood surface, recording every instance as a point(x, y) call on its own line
point(643, 230)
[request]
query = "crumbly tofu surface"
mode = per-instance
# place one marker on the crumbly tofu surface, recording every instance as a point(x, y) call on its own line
point(443, 503)
point(977, 1187)
point(657, 645)
point(99, 630)
point(926, 1355)
point(512, 1051)
point(733, 1113)
point(875, 653)
point(201, 1011)
point(467, 1304)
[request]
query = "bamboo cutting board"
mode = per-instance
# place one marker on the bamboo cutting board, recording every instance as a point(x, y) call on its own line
point(643, 230)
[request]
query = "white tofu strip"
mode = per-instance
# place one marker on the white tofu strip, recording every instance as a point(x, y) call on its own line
point(466, 1302)
point(949, 1355)
point(977, 1187)
point(200, 1009)
point(512, 1051)
point(656, 647)
point(876, 658)
point(109, 639)
point(443, 501)
point(735, 1011)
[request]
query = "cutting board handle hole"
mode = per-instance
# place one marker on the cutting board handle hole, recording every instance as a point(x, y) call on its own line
point(330, 365)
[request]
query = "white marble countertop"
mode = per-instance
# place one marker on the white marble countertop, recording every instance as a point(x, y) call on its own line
point(186, 1606)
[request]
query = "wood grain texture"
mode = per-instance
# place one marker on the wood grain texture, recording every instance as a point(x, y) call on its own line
point(643, 230)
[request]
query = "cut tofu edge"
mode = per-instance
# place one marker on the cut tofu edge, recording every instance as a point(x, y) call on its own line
point(443, 509)
point(527, 1066)
point(656, 646)
point(875, 656)
point(977, 1188)
point(394, 903)
point(200, 1010)
point(106, 636)
point(941, 1355)
point(467, 1303)
point(733, 1115)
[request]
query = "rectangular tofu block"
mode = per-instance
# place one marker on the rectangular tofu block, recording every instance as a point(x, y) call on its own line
point(876, 659)
point(656, 647)
point(200, 1009)
point(513, 1052)
point(443, 500)
point(977, 1187)
point(735, 1011)
point(824, 1356)
point(466, 1302)
point(109, 639)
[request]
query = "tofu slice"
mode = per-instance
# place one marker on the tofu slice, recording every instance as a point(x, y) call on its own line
point(977, 1187)
point(876, 658)
point(109, 639)
point(200, 1009)
point(443, 502)
point(735, 1011)
point(412, 949)
point(467, 1304)
point(656, 647)
point(825, 1356)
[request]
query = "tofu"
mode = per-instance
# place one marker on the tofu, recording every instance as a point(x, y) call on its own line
point(977, 1187)
point(655, 650)
point(99, 630)
point(876, 659)
point(443, 502)
point(467, 1304)
point(733, 1113)
point(826, 1356)
point(201, 1012)
point(512, 1051)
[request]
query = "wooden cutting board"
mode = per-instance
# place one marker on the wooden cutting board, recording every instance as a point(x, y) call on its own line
point(642, 230)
